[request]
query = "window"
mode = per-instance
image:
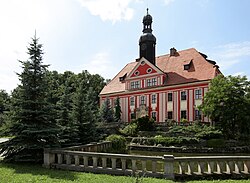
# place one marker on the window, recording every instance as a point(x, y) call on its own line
point(132, 115)
point(153, 114)
point(183, 114)
point(142, 62)
point(137, 84)
point(183, 95)
point(143, 100)
point(153, 99)
point(170, 115)
point(197, 115)
point(137, 73)
point(149, 83)
point(132, 101)
point(186, 67)
point(170, 97)
point(154, 82)
point(132, 84)
point(198, 94)
point(149, 70)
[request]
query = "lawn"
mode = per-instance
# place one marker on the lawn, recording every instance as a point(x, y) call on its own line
point(35, 173)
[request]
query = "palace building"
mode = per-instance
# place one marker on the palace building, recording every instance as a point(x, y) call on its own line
point(165, 87)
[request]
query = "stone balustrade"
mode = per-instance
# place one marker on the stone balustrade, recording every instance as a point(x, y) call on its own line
point(166, 166)
point(92, 147)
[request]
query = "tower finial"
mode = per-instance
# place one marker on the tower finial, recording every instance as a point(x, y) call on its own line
point(147, 11)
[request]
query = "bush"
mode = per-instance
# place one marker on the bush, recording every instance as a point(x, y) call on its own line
point(130, 130)
point(178, 141)
point(145, 124)
point(118, 143)
point(206, 135)
point(216, 143)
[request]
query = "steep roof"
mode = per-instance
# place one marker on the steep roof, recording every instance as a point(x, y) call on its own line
point(200, 69)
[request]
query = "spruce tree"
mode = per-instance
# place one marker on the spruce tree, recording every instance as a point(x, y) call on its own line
point(33, 124)
point(117, 109)
point(106, 111)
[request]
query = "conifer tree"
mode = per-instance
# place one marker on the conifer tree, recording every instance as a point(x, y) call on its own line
point(117, 109)
point(33, 125)
point(107, 113)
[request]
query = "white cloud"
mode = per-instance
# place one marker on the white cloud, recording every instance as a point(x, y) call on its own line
point(230, 54)
point(167, 2)
point(101, 64)
point(113, 10)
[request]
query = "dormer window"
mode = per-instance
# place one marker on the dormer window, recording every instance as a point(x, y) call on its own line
point(187, 65)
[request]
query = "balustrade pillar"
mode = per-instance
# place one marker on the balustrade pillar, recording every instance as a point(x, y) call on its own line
point(49, 158)
point(168, 166)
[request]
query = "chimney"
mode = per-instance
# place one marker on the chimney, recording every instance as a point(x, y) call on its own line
point(172, 51)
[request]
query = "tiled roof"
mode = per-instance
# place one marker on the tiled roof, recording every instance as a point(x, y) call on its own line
point(200, 70)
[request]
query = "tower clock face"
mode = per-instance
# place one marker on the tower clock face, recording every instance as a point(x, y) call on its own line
point(143, 46)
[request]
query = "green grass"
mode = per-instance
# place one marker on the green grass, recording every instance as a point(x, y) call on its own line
point(35, 173)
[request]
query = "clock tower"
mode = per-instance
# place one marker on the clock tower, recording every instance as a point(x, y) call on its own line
point(147, 40)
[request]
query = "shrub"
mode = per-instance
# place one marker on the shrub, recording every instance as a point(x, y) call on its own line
point(209, 134)
point(130, 130)
point(118, 143)
point(145, 124)
point(216, 143)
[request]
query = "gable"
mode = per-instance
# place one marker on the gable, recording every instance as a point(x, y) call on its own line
point(144, 68)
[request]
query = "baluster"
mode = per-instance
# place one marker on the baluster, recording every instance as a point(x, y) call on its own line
point(229, 167)
point(210, 168)
point(113, 163)
point(154, 163)
point(190, 166)
point(144, 165)
point(68, 159)
point(104, 163)
point(246, 166)
point(238, 166)
point(85, 161)
point(219, 167)
point(123, 164)
point(94, 162)
point(134, 168)
point(201, 167)
point(59, 158)
point(76, 160)
point(182, 167)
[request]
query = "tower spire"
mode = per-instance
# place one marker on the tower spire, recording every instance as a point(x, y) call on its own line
point(147, 40)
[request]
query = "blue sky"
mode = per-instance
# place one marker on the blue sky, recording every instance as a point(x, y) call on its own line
point(101, 36)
